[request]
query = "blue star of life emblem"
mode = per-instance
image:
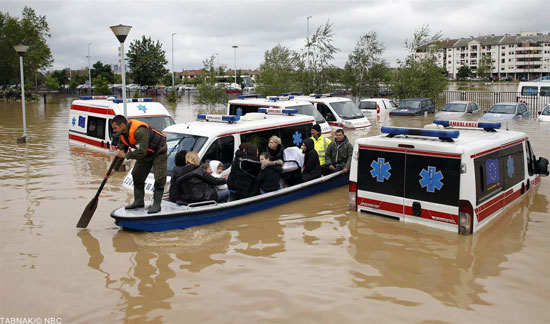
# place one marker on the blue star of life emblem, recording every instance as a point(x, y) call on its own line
point(430, 179)
point(510, 165)
point(239, 111)
point(296, 137)
point(74, 121)
point(380, 170)
point(142, 108)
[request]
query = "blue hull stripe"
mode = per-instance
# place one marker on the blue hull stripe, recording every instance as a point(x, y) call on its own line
point(185, 220)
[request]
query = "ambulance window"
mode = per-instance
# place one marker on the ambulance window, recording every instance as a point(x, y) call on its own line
point(381, 172)
point(233, 109)
point(512, 163)
point(489, 175)
point(96, 127)
point(260, 139)
point(222, 149)
point(325, 111)
point(529, 91)
point(295, 135)
point(115, 138)
point(545, 91)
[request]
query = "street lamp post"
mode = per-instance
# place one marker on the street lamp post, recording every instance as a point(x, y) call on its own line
point(21, 49)
point(308, 17)
point(235, 47)
point(121, 32)
point(89, 71)
point(173, 60)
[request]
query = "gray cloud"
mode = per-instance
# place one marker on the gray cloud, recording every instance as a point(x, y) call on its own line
point(207, 27)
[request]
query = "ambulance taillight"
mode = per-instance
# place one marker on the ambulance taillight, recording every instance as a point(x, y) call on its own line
point(465, 217)
point(353, 194)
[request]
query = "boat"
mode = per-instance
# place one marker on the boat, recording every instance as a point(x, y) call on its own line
point(173, 216)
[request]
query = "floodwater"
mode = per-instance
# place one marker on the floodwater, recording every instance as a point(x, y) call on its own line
point(310, 261)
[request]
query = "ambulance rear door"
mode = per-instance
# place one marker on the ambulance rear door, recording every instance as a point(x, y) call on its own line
point(432, 187)
point(381, 180)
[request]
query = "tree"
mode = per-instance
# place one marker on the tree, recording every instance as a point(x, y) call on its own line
point(146, 60)
point(103, 70)
point(30, 30)
point(278, 71)
point(464, 72)
point(101, 85)
point(419, 75)
point(61, 77)
point(485, 66)
point(52, 82)
point(209, 93)
point(318, 53)
point(359, 74)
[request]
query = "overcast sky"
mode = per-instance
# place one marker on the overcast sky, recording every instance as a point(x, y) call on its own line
point(206, 27)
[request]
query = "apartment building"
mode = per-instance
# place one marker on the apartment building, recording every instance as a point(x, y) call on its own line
point(524, 56)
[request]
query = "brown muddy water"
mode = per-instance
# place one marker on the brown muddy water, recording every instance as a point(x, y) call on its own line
point(310, 261)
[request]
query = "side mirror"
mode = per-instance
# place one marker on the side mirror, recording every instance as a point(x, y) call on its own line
point(541, 167)
point(540, 112)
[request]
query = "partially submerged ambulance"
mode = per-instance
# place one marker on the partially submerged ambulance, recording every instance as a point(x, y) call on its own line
point(444, 175)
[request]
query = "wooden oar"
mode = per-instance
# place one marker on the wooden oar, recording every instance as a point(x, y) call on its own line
point(92, 205)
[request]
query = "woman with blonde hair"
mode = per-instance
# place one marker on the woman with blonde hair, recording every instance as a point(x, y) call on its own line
point(275, 148)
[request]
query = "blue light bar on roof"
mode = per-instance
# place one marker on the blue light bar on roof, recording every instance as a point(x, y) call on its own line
point(321, 95)
point(273, 98)
point(134, 100)
point(420, 132)
point(469, 124)
point(278, 111)
point(221, 118)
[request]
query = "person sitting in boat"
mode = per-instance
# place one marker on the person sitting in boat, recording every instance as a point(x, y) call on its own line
point(199, 185)
point(216, 170)
point(275, 148)
point(247, 168)
point(338, 155)
point(175, 192)
point(312, 167)
point(269, 178)
point(234, 165)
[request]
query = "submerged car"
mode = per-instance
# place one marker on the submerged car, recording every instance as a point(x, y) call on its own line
point(507, 110)
point(414, 107)
point(376, 105)
point(544, 115)
point(458, 109)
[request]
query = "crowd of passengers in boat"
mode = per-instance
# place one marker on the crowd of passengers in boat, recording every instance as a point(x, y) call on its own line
point(253, 173)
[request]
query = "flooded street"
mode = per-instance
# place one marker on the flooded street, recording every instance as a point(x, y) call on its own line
point(310, 261)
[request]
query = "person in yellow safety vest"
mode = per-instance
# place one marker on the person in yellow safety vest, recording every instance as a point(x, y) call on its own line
point(320, 141)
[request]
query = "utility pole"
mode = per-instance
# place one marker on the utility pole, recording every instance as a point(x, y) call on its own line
point(89, 71)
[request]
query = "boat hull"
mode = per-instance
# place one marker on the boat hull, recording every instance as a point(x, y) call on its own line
point(173, 216)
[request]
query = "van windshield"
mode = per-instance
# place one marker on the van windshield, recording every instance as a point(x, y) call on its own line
point(454, 107)
point(409, 104)
point(157, 122)
point(347, 110)
point(546, 111)
point(503, 109)
point(310, 111)
point(176, 142)
point(367, 105)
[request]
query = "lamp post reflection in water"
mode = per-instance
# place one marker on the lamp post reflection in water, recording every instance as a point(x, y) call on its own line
point(21, 50)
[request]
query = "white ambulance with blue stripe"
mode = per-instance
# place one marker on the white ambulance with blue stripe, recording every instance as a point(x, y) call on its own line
point(90, 119)
point(338, 111)
point(452, 175)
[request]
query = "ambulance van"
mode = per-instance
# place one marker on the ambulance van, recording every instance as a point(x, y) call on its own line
point(339, 112)
point(90, 119)
point(452, 175)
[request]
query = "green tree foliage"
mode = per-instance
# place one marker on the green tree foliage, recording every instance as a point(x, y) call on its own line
point(278, 71)
point(365, 68)
point(61, 77)
point(316, 58)
point(103, 70)
point(464, 72)
point(52, 82)
point(209, 93)
point(146, 60)
point(485, 66)
point(419, 75)
point(30, 30)
point(101, 85)
point(167, 79)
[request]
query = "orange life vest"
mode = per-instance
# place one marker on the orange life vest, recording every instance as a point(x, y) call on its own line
point(156, 138)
